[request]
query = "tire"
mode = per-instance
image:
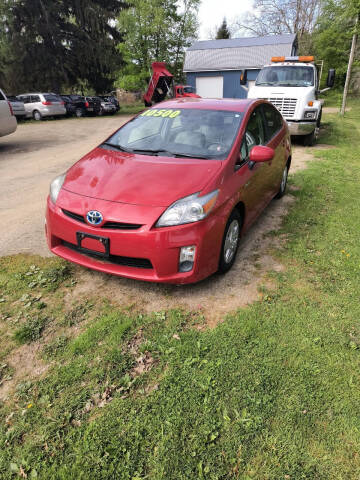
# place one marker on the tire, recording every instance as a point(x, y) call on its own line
point(79, 112)
point(283, 183)
point(318, 121)
point(230, 245)
point(37, 115)
point(309, 140)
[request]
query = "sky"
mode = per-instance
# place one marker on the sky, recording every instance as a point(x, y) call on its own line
point(212, 12)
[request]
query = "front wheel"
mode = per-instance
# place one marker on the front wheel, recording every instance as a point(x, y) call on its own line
point(283, 183)
point(37, 115)
point(230, 243)
point(309, 140)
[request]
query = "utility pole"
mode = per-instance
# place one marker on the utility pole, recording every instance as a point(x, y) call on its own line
point(348, 73)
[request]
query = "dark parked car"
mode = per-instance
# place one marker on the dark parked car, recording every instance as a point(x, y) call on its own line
point(69, 105)
point(110, 99)
point(107, 107)
point(81, 106)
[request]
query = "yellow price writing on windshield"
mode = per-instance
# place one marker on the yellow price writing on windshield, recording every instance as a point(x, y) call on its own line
point(155, 112)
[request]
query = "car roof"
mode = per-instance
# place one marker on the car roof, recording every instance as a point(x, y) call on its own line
point(231, 104)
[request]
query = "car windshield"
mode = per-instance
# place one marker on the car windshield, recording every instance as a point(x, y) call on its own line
point(189, 90)
point(180, 133)
point(287, 76)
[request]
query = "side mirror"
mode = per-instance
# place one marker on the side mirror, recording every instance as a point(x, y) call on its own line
point(330, 78)
point(260, 153)
point(243, 77)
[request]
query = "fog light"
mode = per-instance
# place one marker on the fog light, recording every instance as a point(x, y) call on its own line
point(310, 115)
point(187, 258)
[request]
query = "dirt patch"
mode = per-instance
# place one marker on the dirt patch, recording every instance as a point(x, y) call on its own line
point(301, 156)
point(215, 296)
point(27, 364)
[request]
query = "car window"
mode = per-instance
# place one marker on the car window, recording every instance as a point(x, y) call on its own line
point(273, 121)
point(255, 134)
point(1, 96)
point(52, 98)
point(24, 98)
point(34, 99)
point(11, 98)
point(189, 132)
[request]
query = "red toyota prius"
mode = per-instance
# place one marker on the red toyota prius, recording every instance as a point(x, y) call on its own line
point(166, 197)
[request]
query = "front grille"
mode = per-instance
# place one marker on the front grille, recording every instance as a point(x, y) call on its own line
point(74, 216)
point(286, 106)
point(109, 225)
point(116, 259)
point(121, 226)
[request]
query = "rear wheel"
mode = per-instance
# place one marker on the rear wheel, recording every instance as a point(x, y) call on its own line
point(79, 112)
point(37, 115)
point(230, 243)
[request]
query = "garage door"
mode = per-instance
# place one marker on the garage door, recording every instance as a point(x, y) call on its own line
point(210, 87)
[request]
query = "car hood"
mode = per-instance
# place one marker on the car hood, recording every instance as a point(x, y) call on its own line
point(138, 179)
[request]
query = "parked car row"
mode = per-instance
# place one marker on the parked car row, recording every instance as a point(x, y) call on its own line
point(42, 105)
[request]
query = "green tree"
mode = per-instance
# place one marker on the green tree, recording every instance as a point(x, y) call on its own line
point(223, 31)
point(61, 43)
point(155, 30)
point(333, 33)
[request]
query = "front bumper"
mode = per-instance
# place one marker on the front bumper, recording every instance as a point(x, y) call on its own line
point(160, 247)
point(301, 128)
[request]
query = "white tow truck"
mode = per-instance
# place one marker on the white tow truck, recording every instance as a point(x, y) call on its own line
point(291, 84)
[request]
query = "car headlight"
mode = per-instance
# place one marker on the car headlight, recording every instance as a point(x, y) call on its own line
point(188, 210)
point(310, 115)
point(55, 187)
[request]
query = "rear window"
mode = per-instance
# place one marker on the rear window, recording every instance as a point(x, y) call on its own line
point(76, 97)
point(52, 98)
point(13, 99)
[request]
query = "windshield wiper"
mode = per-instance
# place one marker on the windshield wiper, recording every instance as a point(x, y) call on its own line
point(153, 152)
point(118, 147)
point(168, 153)
point(263, 83)
point(188, 155)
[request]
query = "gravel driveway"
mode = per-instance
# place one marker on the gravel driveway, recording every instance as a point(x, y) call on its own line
point(29, 159)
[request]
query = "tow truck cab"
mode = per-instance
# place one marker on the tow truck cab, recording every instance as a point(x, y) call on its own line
point(185, 91)
point(291, 84)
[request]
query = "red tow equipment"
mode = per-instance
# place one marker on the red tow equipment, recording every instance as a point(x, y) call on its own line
point(162, 84)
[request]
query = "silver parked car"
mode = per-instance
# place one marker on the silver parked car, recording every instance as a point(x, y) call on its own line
point(18, 107)
point(8, 122)
point(40, 105)
point(106, 106)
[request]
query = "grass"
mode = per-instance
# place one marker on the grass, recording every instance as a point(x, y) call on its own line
point(272, 393)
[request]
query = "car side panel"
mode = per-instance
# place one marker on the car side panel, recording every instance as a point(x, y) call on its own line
point(8, 122)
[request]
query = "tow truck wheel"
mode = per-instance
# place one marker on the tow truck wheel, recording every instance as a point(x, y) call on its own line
point(309, 140)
